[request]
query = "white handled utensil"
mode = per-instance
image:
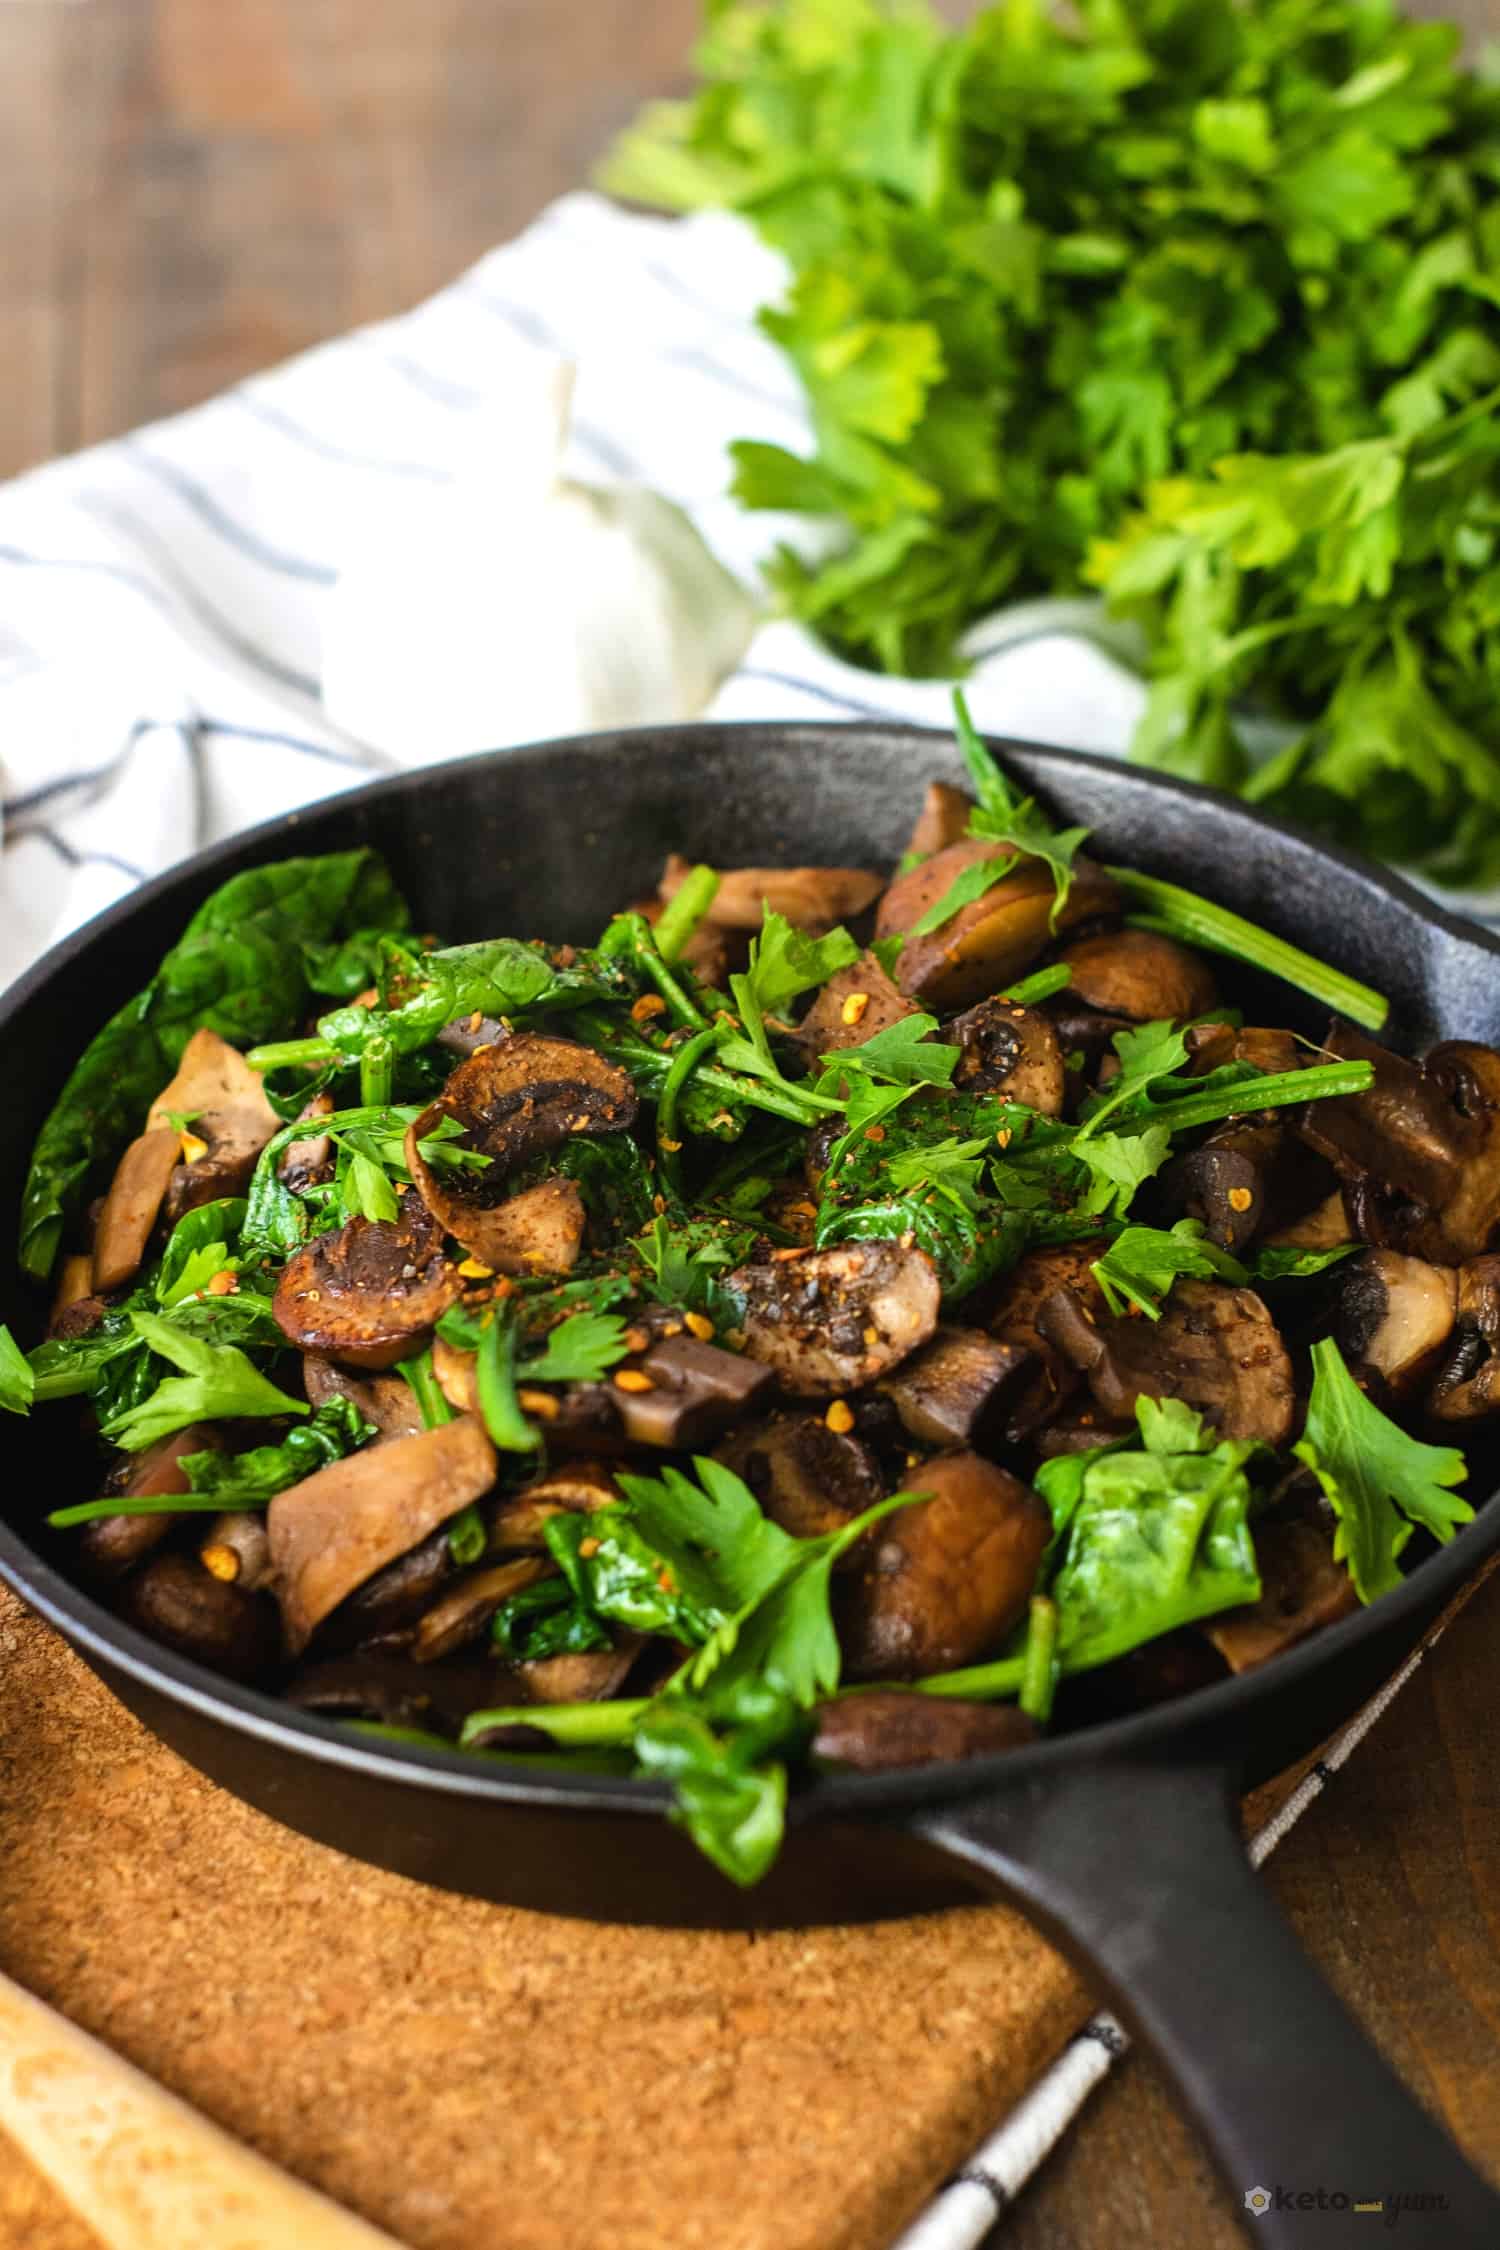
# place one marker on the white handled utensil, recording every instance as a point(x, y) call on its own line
point(137, 2164)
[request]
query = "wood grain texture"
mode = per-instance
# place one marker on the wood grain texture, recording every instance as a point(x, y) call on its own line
point(190, 189)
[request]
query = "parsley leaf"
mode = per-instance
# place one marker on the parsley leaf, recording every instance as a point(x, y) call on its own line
point(1380, 1482)
point(217, 1382)
point(1141, 1264)
point(578, 1350)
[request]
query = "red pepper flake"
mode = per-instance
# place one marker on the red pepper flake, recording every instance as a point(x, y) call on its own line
point(874, 1132)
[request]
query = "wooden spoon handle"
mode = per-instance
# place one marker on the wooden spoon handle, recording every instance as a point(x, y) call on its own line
point(144, 2170)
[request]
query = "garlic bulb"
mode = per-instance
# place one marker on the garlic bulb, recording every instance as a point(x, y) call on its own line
point(512, 604)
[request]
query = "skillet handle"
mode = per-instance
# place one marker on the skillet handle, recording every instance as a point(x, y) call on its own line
point(1139, 1871)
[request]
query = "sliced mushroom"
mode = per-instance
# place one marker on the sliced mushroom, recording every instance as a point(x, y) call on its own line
point(892, 1727)
point(1395, 1315)
point(807, 1478)
point(517, 1102)
point(959, 1389)
point(854, 1005)
point(386, 1401)
point(1265, 1047)
point(337, 1528)
point(811, 898)
point(942, 1582)
point(132, 1206)
point(1215, 1348)
point(520, 1523)
point(371, 1292)
point(394, 1690)
point(384, 1611)
point(1462, 1220)
point(993, 940)
point(178, 1602)
point(463, 1610)
point(111, 1545)
point(695, 1392)
point(581, 1676)
point(943, 820)
point(238, 1550)
point(1467, 1385)
point(230, 1121)
point(1139, 974)
point(1403, 1150)
point(1009, 1051)
point(467, 1034)
point(1325, 1227)
point(309, 1163)
point(80, 1318)
point(75, 1286)
point(826, 1321)
point(1013, 1310)
point(1302, 1590)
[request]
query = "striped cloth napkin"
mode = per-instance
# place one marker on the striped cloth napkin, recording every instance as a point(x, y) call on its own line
point(161, 600)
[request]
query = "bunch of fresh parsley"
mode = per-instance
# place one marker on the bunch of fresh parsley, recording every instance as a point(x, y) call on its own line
point(1194, 303)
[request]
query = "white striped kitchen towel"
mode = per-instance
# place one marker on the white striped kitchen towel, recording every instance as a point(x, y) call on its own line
point(161, 598)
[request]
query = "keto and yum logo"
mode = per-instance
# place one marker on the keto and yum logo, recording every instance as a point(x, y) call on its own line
point(1260, 2200)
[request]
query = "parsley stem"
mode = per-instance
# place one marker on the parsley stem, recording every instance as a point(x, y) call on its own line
point(377, 1071)
point(423, 1382)
point(668, 1141)
point(682, 914)
point(1039, 1658)
point(1174, 912)
point(1040, 985)
point(1278, 1090)
point(292, 1054)
point(495, 1380)
point(979, 1683)
point(571, 1725)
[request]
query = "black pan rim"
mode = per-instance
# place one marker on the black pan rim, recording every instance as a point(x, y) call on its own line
point(1146, 1734)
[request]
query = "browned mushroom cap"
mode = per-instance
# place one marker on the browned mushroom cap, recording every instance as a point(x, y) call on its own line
point(959, 1389)
point(463, 1610)
point(696, 1391)
point(1395, 1315)
point(813, 898)
point(1138, 974)
point(1014, 1308)
point(520, 1524)
point(891, 1727)
point(943, 820)
point(215, 1088)
point(1215, 1348)
point(131, 1207)
point(941, 1583)
point(1467, 1385)
point(178, 1602)
point(337, 1528)
point(1010, 1051)
point(828, 1320)
point(1302, 1589)
point(807, 1478)
point(587, 1676)
point(993, 940)
point(111, 1545)
point(1265, 1046)
point(388, 1402)
point(1226, 1183)
point(516, 1103)
point(371, 1292)
point(852, 1007)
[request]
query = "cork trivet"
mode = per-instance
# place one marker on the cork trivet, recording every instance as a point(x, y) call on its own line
point(472, 2077)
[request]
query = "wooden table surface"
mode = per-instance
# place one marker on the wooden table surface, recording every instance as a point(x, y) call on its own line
point(190, 189)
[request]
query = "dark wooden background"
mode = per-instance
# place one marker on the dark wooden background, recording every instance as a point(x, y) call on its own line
point(190, 189)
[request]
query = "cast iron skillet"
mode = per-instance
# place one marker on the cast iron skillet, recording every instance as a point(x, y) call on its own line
point(1122, 1842)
